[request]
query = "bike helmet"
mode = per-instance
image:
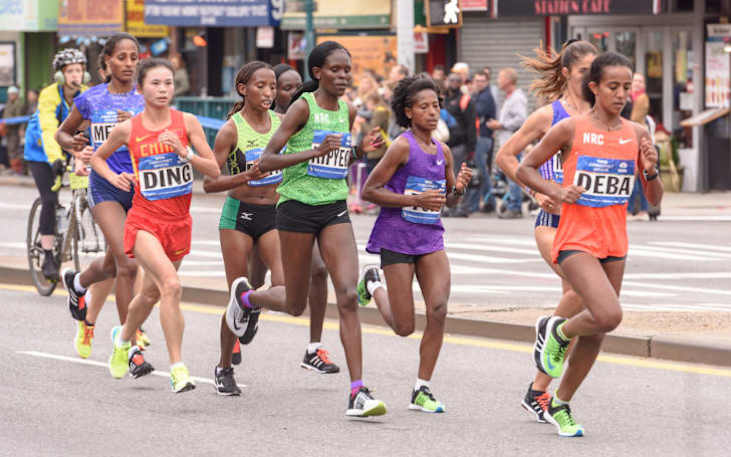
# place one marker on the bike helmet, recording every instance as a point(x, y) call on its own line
point(68, 56)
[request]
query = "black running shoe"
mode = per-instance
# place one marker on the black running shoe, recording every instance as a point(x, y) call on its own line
point(252, 326)
point(362, 404)
point(237, 313)
point(541, 325)
point(76, 301)
point(319, 361)
point(225, 382)
point(236, 355)
point(536, 403)
point(370, 274)
point(49, 267)
point(138, 367)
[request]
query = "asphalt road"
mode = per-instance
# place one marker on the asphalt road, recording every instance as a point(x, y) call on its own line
point(54, 404)
point(682, 263)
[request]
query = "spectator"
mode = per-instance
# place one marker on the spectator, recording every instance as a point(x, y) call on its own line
point(493, 89)
point(512, 115)
point(640, 107)
point(31, 102)
point(398, 72)
point(462, 131)
point(366, 85)
point(180, 77)
point(485, 109)
point(463, 70)
point(14, 108)
point(438, 74)
point(379, 117)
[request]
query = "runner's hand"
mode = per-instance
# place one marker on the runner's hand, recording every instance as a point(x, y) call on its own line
point(330, 143)
point(123, 181)
point(372, 140)
point(170, 139)
point(463, 178)
point(571, 193)
point(123, 115)
point(254, 173)
point(548, 204)
point(80, 141)
point(80, 168)
point(85, 155)
point(648, 155)
point(431, 200)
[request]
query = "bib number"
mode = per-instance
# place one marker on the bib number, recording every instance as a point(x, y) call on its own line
point(607, 181)
point(252, 157)
point(416, 186)
point(165, 176)
point(333, 165)
point(557, 167)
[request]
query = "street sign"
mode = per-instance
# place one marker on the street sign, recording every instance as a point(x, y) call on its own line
point(443, 13)
point(298, 6)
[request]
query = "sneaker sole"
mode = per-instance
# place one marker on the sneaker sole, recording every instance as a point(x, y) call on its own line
point(414, 407)
point(549, 326)
point(378, 410)
point(142, 373)
point(226, 394)
point(187, 387)
point(533, 412)
point(537, 352)
point(550, 420)
point(233, 302)
point(66, 288)
point(317, 370)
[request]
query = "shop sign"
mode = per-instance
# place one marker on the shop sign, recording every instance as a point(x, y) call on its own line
point(135, 24)
point(265, 37)
point(421, 43)
point(90, 17)
point(473, 5)
point(339, 14)
point(29, 15)
point(718, 66)
point(375, 53)
point(214, 13)
point(296, 46)
point(7, 64)
point(443, 13)
point(504, 8)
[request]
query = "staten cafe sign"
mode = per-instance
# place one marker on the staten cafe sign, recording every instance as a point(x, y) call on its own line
point(502, 8)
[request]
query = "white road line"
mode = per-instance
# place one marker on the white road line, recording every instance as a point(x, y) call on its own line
point(675, 250)
point(710, 247)
point(719, 218)
point(706, 275)
point(63, 358)
point(700, 290)
point(478, 247)
point(484, 288)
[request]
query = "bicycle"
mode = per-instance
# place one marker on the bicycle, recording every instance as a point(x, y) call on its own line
point(74, 227)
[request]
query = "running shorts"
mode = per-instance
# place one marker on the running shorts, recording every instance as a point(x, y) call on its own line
point(101, 190)
point(249, 219)
point(389, 257)
point(294, 216)
point(545, 219)
point(174, 235)
point(564, 254)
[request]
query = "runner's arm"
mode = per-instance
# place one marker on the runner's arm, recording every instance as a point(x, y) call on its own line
point(226, 140)
point(66, 133)
point(203, 161)
point(648, 161)
point(374, 189)
point(556, 139)
point(533, 129)
point(117, 137)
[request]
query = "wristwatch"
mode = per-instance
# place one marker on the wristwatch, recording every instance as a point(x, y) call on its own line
point(650, 177)
point(456, 192)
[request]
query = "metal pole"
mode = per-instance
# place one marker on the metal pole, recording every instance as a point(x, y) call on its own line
point(405, 33)
point(309, 31)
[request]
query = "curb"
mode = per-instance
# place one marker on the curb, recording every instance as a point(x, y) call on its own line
point(655, 346)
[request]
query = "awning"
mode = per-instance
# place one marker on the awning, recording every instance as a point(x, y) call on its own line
point(214, 13)
point(505, 8)
point(90, 17)
point(339, 14)
point(29, 15)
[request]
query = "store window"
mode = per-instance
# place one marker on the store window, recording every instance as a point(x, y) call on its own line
point(653, 73)
point(682, 85)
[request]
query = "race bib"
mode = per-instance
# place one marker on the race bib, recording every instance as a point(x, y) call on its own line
point(333, 165)
point(165, 176)
point(607, 181)
point(252, 158)
point(101, 124)
point(557, 167)
point(415, 186)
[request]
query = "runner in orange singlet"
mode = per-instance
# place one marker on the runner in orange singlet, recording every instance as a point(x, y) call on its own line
point(158, 228)
point(602, 156)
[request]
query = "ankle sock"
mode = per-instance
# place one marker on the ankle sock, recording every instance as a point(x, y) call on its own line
point(558, 401)
point(371, 286)
point(355, 386)
point(245, 299)
point(81, 290)
point(175, 365)
point(559, 331)
point(422, 382)
point(313, 347)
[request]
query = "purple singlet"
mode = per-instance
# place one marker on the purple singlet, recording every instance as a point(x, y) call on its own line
point(410, 230)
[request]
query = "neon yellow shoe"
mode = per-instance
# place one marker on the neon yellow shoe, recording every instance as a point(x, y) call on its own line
point(84, 337)
point(180, 379)
point(142, 339)
point(118, 362)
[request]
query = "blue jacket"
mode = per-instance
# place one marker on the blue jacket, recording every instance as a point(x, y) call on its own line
point(486, 109)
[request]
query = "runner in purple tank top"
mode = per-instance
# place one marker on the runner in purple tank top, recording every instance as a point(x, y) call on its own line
point(411, 183)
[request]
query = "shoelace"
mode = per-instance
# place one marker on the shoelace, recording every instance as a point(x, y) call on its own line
point(88, 335)
point(566, 410)
point(324, 356)
point(543, 400)
point(427, 392)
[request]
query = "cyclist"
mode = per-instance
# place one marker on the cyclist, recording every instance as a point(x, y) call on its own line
point(44, 156)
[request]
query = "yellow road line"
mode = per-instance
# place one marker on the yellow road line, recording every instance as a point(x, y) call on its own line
point(450, 339)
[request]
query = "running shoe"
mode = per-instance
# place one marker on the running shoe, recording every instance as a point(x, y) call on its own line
point(553, 350)
point(118, 361)
point(319, 361)
point(138, 367)
point(423, 400)
point(49, 267)
point(142, 339)
point(84, 337)
point(225, 382)
point(180, 379)
point(561, 417)
point(362, 404)
point(536, 402)
point(252, 326)
point(237, 314)
point(76, 301)
point(370, 274)
point(236, 355)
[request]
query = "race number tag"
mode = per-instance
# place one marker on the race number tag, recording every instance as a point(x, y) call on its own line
point(607, 181)
point(415, 186)
point(333, 165)
point(165, 176)
point(252, 158)
point(557, 167)
point(101, 124)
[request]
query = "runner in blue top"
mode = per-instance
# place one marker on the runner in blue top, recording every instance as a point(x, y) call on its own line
point(104, 106)
point(411, 183)
point(560, 83)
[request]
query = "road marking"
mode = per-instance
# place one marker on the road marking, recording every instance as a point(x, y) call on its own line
point(457, 340)
point(63, 358)
point(710, 247)
point(719, 218)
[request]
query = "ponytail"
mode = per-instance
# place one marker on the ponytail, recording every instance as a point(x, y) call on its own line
point(551, 83)
point(242, 77)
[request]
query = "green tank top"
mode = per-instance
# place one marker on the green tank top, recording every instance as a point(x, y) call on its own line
point(321, 180)
point(249, 148)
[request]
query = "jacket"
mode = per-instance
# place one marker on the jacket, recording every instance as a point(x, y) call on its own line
point(464, 131)
point(40, 144)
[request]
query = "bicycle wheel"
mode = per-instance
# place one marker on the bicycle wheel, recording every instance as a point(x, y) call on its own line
point(88, 232)
point(44, 286)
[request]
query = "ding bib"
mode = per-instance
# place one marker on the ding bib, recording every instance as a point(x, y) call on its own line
point(165, 176)
point(607, 181)
point(333, 165)
point(415, 186)
point(252, 158)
